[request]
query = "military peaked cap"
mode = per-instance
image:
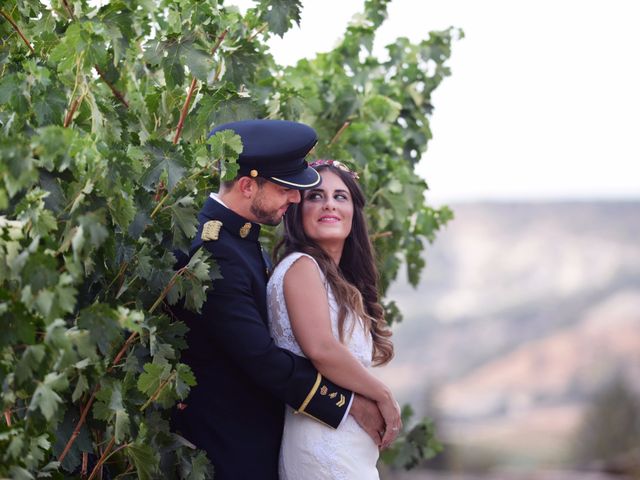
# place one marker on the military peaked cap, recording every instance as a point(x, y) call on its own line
point(275, 150)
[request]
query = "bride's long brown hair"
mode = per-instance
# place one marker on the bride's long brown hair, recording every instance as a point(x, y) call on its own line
point(354, 281)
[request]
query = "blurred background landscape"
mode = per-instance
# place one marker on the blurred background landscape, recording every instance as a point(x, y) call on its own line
point(522, 341)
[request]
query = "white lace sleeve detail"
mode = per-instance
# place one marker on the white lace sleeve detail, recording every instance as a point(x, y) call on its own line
point(357, 340)
point(278, 316)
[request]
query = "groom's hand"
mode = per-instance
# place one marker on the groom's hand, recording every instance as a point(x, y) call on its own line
point(368, 416)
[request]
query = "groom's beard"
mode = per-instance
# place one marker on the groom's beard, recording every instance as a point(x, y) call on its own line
point(264, 215)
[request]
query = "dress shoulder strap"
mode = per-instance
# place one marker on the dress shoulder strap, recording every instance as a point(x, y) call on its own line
point(286, 263)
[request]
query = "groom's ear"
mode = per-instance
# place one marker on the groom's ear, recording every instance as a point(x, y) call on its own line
point(247, 186)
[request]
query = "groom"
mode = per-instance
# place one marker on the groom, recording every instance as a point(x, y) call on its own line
point(236, 411)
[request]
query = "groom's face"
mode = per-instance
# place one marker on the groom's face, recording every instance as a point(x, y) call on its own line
point(271, 202)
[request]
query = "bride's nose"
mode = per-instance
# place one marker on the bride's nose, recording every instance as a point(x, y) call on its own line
point(329, 204)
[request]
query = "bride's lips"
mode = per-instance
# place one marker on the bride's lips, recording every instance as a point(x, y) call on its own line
point(329, 219)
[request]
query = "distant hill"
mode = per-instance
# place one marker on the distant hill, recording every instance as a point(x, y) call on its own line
point(524, 312)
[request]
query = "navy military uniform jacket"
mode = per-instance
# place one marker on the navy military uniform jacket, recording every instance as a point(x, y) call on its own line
point(236, 411)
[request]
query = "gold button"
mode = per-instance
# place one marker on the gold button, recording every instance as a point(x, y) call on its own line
point(253, 173)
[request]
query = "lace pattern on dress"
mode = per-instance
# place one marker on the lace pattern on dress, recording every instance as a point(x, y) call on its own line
point(310, 450)
point(359, 342)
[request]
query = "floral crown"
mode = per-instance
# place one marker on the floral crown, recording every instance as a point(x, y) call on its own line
point(334, 163)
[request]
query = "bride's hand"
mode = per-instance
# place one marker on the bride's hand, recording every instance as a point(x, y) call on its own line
point(390, 411)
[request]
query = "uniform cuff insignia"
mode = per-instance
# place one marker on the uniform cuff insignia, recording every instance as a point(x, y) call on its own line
point(311, 393)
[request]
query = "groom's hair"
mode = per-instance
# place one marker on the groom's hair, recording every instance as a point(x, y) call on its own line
point(228, 185)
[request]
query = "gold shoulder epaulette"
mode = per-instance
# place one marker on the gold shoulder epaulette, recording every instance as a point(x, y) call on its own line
point(211, 230)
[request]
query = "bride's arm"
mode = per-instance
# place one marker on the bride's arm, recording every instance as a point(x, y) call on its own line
point(308, 308)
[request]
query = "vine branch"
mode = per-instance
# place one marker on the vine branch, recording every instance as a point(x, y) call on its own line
point(69, 10)
point(116, 92)
point(122, 351)
point(17, 29)
point(116, 360)
point(72, 110)
point(258, 31)
point(103, 457)
point(159, 205)
point(76, 430)
point(185, 109)
point(219, 42)
point(85, 410)
point(85, 464)
point(339, 133)
point(166, 289)
point(158, 391)
point(192, 87)
point(378, 235)
point(7, 417)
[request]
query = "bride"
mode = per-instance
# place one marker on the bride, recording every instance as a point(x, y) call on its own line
point(323, 304)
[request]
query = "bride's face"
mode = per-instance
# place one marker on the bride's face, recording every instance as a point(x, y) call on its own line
point(327, 211)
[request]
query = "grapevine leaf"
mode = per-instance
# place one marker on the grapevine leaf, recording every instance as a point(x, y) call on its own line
point(412, 447)
point(45, 398)
point(55, 199)
point(280, 14)
point(201, 468)
point(122, 427)
point(101, 322)
point(163, 160)
point(122, 208)
point(82, 385)
point(154, 374)
point(101, 408)
point(169, 332)
point(19, 473)
point(144, 459)
point(240, 64)
point(184, 379)
point(225, 145)
point(199, 278)
point(20, 327)
point(10, 87)
point(78, 42)
point(184, 221)
point(29, 362)
point(200, 63)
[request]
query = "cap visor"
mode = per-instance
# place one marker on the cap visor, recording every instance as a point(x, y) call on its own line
point(308, 178)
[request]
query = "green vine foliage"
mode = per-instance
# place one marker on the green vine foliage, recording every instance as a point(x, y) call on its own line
point(104, 112)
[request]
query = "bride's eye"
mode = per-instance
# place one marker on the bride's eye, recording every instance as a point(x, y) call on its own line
point(314, 196)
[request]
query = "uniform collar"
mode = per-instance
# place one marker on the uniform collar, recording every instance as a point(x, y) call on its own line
point(231, 222)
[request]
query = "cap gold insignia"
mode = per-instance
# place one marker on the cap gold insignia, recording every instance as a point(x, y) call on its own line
point(253, 173)
point(342, 401)
point(333, 395)
point(211, 230)
point(324, 390)
point(244, 231)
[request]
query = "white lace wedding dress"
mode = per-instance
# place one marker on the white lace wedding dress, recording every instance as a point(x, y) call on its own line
point(311, 450)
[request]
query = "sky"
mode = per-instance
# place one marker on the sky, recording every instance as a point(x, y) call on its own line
point(543, 102)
